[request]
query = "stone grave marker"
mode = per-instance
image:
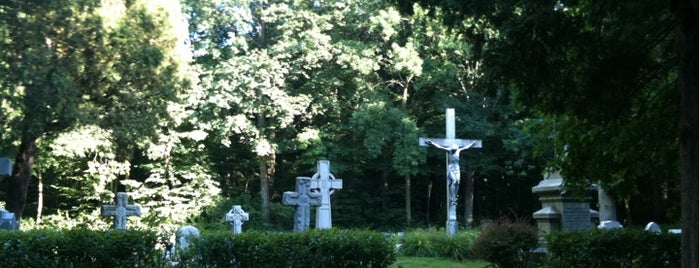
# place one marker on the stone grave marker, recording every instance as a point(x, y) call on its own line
point(302, 199)
point(609, 225)
point(236, 216)
point(8, 220)
point(325, 183)
point(121, 210)
point(5, 167)
point(183, 237)
point(453, 147)
point(653, 228)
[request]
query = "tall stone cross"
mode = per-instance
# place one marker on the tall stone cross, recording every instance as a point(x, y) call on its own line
point(453, 146)
point(303, 199)
point(325, 183)
point(121, 210)
point(237, 216)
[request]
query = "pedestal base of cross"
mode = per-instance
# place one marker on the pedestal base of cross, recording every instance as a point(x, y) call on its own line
point(453, 147)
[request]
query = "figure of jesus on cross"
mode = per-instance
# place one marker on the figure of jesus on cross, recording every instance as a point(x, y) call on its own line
point(453, 169)
point(453, 147)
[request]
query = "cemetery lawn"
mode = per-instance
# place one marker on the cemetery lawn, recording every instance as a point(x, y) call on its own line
point(422, 262)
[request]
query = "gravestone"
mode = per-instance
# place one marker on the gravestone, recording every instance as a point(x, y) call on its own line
point(559, 210)
point(609, 225)
point(184, 236)
point(121, 210)
point(236, 216)
point(653, 228)
point(453, 147)
point(324, 183)
point(302, 199)
point(8, 220)
point(5, 167)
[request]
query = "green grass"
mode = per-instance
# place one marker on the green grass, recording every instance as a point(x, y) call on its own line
point(423, 262)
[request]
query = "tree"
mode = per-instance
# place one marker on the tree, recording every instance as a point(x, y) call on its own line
point(77, 63)
point(604, 76)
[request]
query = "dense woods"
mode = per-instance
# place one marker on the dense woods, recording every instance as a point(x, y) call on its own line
point(194, 106)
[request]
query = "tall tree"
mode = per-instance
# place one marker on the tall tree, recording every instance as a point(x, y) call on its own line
point(84, 62)
point(604, 73)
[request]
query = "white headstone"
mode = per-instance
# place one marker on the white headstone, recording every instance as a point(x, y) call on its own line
point(675, 231)
point(236, 216)
point(608, 225)
point(653, 228)
point(325, 183)
point(121, 210)
point(185, 235)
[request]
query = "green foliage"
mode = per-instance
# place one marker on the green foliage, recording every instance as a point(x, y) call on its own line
point(79, 248)
point(435, 243)
point(212, 217)
point(613, 248)
point(506, 243)
point(316, 248)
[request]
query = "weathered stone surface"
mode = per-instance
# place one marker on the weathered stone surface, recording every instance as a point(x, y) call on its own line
point(236, 216)
point(302, 199)
point(326, 184)
point(121, 210)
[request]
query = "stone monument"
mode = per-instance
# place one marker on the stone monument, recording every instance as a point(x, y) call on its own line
point(236, 216)
point(302, 199)
point(560, 211)
point(453, 147)
point(653, 228)
point(324, 183)
point(5, 167)
point(121, 210)
point(8, 220)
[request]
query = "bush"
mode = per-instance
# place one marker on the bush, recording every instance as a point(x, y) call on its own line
point(506, 243)
point(315, 248)
point(78, 248)
point(613, 248)
point(435, 243)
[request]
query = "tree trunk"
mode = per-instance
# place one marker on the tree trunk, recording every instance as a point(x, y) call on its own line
point(17, 184)
point(429, 201)
point(40, 201)
point(468, 198)
point(688, 73)
point(264, 189)
point(408, 207)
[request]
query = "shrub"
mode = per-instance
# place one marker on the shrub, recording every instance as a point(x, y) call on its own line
point(435, 243)
point(613, 248)
point(506, 243)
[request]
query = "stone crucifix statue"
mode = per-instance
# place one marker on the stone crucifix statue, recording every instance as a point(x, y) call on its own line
point(453, 147)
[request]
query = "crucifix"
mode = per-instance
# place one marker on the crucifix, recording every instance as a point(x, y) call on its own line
point(325, 183)
point(453, 146)
point(121, 210)
point(302, 199)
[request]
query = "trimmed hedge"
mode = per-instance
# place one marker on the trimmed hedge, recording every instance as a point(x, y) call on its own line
point(315, 248)
point(613, 248)
point(79, 248)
